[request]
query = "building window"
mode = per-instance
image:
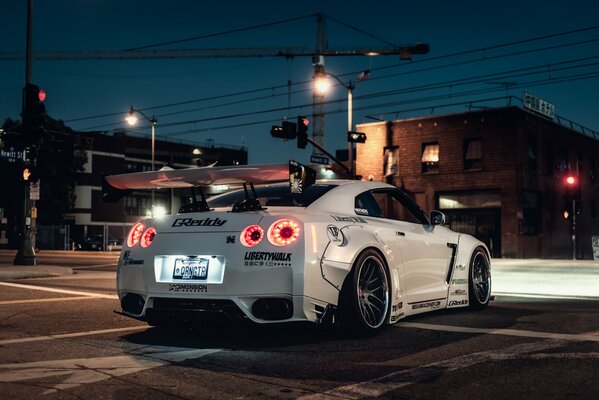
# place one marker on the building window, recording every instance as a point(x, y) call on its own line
point(137, 205)
point(549, 160)
point(430, 157)
point(532, 155)
point(473, 154)
point(391, 161)
point(530, 223)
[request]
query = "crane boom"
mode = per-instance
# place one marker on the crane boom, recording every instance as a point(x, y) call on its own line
point(148, 54)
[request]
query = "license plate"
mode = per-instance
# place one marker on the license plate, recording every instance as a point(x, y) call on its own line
point(190, 268)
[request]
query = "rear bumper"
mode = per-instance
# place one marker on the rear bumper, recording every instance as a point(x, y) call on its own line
point(258, 309)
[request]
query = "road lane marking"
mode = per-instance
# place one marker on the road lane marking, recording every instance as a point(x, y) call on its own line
point(65, 291)
point(82, 371)
point(45, 300)
point(71, 335)
point(114, 264)
point(590, 337)
point(396, 380)
point(545, 296)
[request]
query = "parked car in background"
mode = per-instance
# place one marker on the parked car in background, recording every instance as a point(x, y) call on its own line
point(96, 243)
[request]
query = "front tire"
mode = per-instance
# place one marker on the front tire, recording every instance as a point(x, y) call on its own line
point(479, 280)
point(366, 295)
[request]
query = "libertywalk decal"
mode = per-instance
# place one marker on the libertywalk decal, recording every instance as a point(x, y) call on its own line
point(267, 258)
point(349, 219)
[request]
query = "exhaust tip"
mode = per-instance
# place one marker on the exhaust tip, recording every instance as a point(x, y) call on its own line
point(272, 309)
point(133, 303)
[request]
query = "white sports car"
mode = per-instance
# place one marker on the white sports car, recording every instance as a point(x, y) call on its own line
point(362, 254)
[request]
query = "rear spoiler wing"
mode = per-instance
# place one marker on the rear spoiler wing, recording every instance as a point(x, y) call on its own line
point(115, 187)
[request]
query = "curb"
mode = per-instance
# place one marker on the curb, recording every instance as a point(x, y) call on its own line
point(26, 272)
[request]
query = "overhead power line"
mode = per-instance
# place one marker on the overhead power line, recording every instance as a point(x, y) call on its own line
point(432, 68)
point(210, 35)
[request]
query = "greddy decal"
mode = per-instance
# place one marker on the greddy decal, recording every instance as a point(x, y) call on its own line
point(349, 219)
point(187, 288)
point(457, 303)
point(429, 304)
point(198, 222)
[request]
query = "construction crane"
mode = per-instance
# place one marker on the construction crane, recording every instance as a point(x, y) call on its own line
point(317, 54)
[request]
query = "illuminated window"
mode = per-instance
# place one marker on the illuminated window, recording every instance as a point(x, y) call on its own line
point(473, 154)
point(391, 161)
point(430, 157)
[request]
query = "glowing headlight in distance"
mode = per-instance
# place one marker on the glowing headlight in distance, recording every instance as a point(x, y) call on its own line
point(135, 234)
point(252, 235)
point(283, 232)
point(148, 237)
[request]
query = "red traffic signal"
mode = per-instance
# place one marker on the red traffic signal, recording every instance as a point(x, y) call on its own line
point(572, 186)
point(41, 95)
point(302, 131)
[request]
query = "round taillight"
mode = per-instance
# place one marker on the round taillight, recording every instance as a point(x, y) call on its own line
point(148, 237)
point(252, 235)
point(135, 234)
point(283, 232)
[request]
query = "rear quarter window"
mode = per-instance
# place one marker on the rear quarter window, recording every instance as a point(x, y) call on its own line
point(273, 196)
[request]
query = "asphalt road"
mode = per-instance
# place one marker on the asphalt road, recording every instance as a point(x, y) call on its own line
point(59, 339)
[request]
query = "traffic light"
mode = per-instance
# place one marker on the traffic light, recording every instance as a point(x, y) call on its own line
point(567, 210)
point(572, 187)
point(30, 174)
point(287, 130)
point(356, 137)
point(302, 131)
point(34, 109)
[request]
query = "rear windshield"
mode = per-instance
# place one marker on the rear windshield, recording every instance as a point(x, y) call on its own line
point(274, 196)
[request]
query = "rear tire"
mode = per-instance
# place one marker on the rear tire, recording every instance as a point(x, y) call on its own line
point(365, 298)
point(479, 280)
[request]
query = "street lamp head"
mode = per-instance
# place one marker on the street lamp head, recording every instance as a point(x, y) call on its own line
point(131, 117)
point(322, 84)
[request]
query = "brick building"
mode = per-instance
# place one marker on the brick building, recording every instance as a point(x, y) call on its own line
point(497, 174)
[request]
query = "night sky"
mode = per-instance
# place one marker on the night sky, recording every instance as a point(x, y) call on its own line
point(563, 69)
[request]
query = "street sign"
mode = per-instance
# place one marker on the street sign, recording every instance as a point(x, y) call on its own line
point(11, 154)
point(318, 159)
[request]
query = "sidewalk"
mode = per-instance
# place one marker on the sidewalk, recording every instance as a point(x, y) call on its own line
point(46, 269)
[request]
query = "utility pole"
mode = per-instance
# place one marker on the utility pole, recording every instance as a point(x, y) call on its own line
point(25, 252)
point(318, 97)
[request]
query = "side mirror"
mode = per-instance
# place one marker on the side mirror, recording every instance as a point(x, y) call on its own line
point(437, 218)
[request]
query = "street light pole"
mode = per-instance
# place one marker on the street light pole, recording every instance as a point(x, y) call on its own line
point(322, 87)
point(132, 120)
point(350, 125)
